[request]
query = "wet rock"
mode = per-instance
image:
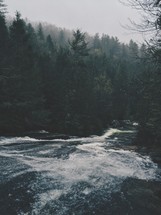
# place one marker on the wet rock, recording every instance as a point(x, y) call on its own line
point(153, 151)
point(46, 136)
point(144, 197)
point(115, 124)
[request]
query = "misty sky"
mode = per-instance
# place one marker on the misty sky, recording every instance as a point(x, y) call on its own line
point(102, 16)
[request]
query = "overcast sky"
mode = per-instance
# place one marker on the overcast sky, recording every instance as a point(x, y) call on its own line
point(92, 16)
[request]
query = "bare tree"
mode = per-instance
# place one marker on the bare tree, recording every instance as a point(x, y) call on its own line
point(150, 11)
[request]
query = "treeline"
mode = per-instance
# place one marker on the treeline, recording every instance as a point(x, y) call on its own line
point(149, 104)
point(72, 84)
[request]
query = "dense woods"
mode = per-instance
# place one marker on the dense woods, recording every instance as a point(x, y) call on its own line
point(149, 108)
point(74, 83)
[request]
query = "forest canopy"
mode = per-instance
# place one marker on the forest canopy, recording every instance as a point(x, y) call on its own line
point(70, 82)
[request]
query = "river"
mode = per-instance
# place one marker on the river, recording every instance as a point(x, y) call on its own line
point(103, 175)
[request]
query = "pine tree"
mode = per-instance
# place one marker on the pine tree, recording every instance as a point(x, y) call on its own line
point(40, 33)
point(50, 44)
point(78, 44)
point(3, 34)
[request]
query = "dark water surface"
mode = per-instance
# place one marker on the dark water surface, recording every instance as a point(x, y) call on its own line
point(100, 175)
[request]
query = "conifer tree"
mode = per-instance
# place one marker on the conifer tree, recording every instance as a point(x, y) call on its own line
point(3, 33)
point(78, 44)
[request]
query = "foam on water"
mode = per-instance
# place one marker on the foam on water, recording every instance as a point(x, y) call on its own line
point(106, 135)
point(43, 132)
point(89, 160)
point(96, 138)
point(97, 167)
point(4, 140)
point(90, 163)
point(93, 161)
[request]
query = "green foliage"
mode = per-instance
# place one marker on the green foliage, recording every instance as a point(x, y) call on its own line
point(40, 33)
point(77, 87)
point(78, 44)
point(149, 79)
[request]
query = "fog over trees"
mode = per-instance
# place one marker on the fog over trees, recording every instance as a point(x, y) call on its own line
point(74, 83)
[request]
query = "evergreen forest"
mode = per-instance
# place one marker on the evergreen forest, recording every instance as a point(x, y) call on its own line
point(74, 83)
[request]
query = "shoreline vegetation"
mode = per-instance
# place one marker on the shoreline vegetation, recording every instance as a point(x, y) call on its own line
point(72, 83)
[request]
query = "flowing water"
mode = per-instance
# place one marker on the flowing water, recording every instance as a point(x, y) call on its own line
point(76, 176)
